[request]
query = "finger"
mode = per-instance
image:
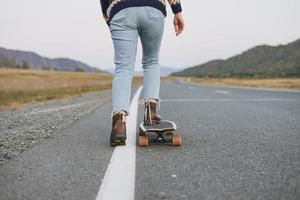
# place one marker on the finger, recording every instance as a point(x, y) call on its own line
point(181, 28)
point(176, 28)
point(181, 25)
point(178, 32)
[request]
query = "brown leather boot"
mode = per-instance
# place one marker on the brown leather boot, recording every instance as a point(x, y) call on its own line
point(151, 116)
point(118, 132)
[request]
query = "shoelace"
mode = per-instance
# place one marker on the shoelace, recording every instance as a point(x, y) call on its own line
point(148, 112)
point(148, 109)
point(143, 101)
point(123, 115)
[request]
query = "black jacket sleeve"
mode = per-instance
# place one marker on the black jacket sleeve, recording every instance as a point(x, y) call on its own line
point(104, 6)
point(175, 5)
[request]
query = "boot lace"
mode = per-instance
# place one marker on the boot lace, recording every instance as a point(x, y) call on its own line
point(123, 115)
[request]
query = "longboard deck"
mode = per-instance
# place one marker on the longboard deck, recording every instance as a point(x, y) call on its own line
point(164, 125)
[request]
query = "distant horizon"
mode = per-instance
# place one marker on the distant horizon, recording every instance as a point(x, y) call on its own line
point(110, 68)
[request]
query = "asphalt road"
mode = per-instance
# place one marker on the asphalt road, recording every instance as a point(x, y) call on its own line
point(237, 144)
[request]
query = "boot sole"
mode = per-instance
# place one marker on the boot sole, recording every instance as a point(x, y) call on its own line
point(118, 141)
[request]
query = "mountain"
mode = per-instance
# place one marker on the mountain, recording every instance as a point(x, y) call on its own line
point(164, 71)
point(261, 61)
point(17, 59)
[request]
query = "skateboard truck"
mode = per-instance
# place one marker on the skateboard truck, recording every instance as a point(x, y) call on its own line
point(160, 138)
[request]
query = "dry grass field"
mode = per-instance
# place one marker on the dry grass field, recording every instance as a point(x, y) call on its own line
point(289, 83)
point(18, 87)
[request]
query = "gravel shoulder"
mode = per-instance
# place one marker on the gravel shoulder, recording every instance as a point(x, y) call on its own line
point(22, 128)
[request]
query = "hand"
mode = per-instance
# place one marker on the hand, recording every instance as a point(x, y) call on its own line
point(178, 23)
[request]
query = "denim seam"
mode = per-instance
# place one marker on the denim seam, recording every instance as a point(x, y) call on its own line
point(150, 16)
point(127, 15)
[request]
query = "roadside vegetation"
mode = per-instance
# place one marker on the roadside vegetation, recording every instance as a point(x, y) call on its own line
point(21, 86)
point(289, 83)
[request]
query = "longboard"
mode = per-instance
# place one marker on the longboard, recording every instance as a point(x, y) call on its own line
point(164, 133)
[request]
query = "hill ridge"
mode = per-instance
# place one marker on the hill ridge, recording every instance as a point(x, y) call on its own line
point(15, 59)
point(259, 61)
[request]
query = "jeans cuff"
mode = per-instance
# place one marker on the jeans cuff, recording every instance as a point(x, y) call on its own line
point(116, 111)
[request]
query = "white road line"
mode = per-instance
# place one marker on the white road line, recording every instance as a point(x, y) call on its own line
point(188, 86)
point(230, 99)
point(178, 85)
point(191, 87)
point(119, 179)
point(241, 87)
point(222, 92)
point(61, 107)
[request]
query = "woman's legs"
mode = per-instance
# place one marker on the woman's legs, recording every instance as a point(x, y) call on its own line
point(125, 27)
point(125, 37)
point(151, 32)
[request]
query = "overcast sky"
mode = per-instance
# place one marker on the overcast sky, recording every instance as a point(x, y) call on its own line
point(214, 29)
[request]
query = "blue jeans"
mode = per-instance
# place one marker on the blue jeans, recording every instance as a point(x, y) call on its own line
point(125, 27)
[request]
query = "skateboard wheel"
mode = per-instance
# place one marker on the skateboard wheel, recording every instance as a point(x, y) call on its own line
point(176, 140)
point(143, 141)
point(141, 132)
